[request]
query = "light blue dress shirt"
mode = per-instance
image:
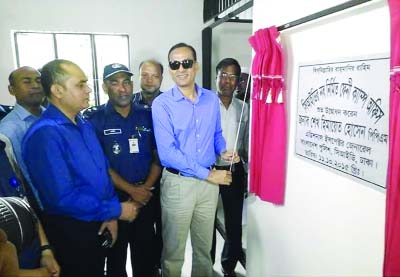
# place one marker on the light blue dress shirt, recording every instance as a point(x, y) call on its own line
point(14, 127)
point(188, 134)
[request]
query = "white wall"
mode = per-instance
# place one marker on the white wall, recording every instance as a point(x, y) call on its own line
point(153, 27)
point(330, 225)
point(230, 40)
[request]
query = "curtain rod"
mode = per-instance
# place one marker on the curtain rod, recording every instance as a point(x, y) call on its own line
point(334, 9)
point(232, 14)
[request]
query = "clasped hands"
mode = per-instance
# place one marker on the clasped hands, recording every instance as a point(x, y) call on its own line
point(224, 177)
point(140, 196)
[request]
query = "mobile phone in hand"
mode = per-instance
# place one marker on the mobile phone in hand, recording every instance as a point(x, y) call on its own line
point(106, 239)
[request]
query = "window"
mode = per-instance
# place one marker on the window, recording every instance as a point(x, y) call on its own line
point(90, 51)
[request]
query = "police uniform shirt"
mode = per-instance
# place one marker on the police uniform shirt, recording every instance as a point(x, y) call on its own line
point(138, 99)
point(127, 142)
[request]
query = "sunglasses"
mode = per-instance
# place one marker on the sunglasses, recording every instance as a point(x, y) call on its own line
point(186, 64)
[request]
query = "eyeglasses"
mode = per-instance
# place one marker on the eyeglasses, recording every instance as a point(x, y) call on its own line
point(230, 77)
point(186, 64)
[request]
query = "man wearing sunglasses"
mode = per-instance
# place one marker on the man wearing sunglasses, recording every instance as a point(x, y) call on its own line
point(188, 133)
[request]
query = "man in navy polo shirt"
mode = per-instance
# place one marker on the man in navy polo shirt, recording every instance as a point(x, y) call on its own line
point(126, 134)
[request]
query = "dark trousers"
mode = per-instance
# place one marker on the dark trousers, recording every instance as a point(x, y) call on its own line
point(232, 200)
point(158, 224)
point(140, 236)
point(76, 244)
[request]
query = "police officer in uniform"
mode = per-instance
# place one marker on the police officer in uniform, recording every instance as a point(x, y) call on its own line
point(126, 133)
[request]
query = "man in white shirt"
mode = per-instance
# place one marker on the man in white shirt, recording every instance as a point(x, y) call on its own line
point(228, 74)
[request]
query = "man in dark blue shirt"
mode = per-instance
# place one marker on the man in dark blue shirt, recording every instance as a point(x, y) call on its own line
point(151, 76)
point(70, 172)
point(125, 131)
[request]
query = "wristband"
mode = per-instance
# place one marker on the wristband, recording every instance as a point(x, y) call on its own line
point(46, 247)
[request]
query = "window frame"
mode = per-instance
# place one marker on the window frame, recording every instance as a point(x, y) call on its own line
point(96, 84)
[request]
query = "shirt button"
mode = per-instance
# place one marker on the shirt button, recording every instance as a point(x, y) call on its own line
point(197, 121)
point(198, 150)
point(198, 135)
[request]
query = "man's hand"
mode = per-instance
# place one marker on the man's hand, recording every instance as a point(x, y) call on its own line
point(220, 177)
point(112, 226)
point(49, 262)
point(129, 211)
point(140, 194)
point(230, 155)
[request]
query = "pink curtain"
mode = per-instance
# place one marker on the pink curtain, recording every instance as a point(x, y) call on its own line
point(268, 137)
point(391, 265)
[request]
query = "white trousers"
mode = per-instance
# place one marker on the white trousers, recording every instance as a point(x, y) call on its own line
point(187, 203)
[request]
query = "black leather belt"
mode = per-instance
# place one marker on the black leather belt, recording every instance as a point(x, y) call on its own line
point(223, 167)
point(177, 172)
point(173, 170)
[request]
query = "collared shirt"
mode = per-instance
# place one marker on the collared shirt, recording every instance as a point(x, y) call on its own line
point(14, 126)
point(69, 169)
point(116, 135)
point(230, 118)
point(139, 99)
point(188, 134)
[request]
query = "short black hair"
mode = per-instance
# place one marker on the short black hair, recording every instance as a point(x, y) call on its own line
point(54, 72)
point(180, 45)
point(226, 62)
point(152, 62)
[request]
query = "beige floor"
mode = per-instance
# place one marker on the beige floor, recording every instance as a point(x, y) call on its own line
point(240, 271)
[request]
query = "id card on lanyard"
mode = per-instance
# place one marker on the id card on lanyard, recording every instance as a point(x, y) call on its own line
point(133, 145)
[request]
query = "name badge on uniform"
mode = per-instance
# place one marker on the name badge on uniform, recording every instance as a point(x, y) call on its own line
point(133, 145)
point(112, 132)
